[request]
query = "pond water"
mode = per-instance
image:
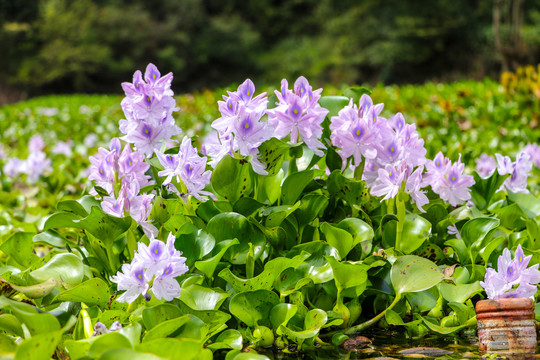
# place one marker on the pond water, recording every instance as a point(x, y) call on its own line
point(391, 344)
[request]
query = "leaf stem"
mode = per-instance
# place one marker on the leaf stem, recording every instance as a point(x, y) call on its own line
point(366, 324)
point(400, 209)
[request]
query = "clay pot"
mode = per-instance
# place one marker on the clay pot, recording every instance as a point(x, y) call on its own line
point(506, 326)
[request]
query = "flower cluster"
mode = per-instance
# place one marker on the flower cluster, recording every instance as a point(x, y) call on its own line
point(34, 165)
point(154, 268)
point(122, 174)
point(187, 168)
point(299, 114)
point(519, 171)
point(447, 179)
point(394, 153)
point(240, 128)
point(533, 150)
point(513, 279)
point(148, 107)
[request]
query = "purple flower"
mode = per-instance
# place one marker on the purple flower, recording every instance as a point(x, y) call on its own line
point(64, 148)
point(519, 171)
point(13, 167)
point(100, 328)
point(513, 278)
point(453, 230)
point(133, 279)
point(148, 107)
point(388, 182)
point(154, 266)
point(354, 135)
point(533, 150)
point(448, 181)
point(188, 167)
point(240, 128)
point(485, 165)
point(298, 113)
point(90, 140)
point(36, 143)
point(412, 187)
point(35, 165)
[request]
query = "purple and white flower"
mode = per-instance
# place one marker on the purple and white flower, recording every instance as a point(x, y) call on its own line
point(513, 278)
point(154, 268)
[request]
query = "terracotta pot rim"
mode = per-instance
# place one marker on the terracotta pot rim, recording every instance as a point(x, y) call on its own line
point(493, 305)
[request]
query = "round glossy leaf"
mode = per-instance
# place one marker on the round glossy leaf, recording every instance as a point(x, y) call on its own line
point(411, 273)
point(416, 230)
point(91, 292)
point(231, 178)
point(65, 268)
point(337, 238)
point(185, 349)
point(475, 230)
point(199, 297)
point(253, 308)
point(109, 341)
point(349, 275)
point(159, 313)
point(294, 184)
point(228, 226)
point(228, 339)
point(281, 314)
point(38, 347)
point(128, 354)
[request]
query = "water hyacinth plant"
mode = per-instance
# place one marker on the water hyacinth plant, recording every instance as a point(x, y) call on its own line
point(302, 220)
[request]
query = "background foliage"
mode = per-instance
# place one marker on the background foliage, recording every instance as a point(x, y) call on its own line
point(52, 46)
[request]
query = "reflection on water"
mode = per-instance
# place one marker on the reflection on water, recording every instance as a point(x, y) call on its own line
point(389, 344)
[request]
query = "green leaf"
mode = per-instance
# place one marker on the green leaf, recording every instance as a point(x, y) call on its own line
point(442, 329)
point(155, 315)
point(128, 354)
point(416, 230)
point(37, 290)
point(411, 273)
point(253, 307)
point(294, 184)
point(271, 153)
point(338, 238)
point(276, 214)
point(38, 347)
point(50, 237)
point(10, 324)
point(333, 103)
point(185, 349)
point(227, 226)
point(314, 321)
point(166, 328)
point(354, 192)
point(529, 203)
point(475, 230)
point(66, 268)
point(106, 228)
point(459, 293)
point(194, 243)
point(20, 248)
point(208, 266)
point(109, 341)
point(231, 178)
point(91, 292)
point(483, 189)
point(281, 314)
point(511, 216)
point(266, 279)
point(35, 322)
point(199, 297)
point(228, 339)
point(349, 275)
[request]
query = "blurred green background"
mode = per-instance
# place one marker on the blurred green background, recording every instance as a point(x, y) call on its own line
point(90, 46)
